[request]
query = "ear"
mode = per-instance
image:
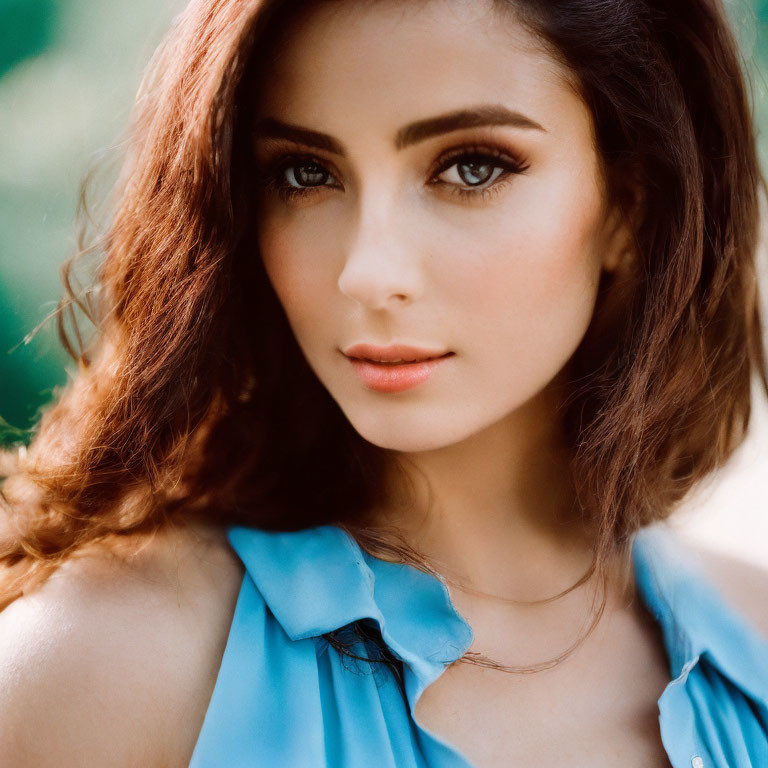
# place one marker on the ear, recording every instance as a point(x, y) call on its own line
point(617, 247)
point(621, 226)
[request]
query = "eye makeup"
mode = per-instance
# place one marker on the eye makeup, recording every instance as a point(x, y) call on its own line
point(282, 174)
point(474, 155)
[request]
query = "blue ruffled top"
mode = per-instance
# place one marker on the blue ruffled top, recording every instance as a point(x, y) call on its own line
point(284, 698)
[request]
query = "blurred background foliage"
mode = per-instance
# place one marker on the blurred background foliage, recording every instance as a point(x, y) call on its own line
point(69, 70)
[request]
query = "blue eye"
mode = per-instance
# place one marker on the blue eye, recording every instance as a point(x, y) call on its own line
point(295, 176)
point(479, 172)
point(482, 171)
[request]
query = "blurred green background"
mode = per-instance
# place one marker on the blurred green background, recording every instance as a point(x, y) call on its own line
point(69, 70)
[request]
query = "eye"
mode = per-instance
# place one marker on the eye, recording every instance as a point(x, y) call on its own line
point(476, 172)
point(295, 176)
point(467, 172)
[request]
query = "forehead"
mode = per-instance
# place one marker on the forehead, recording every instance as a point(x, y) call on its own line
point(343, 65)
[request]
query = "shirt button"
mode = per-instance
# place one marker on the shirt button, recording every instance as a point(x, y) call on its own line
point(697, 762)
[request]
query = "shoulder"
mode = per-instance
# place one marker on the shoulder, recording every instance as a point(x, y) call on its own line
point(117, 654)
point(742, 584)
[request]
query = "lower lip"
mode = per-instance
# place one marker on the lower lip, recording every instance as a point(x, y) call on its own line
point(395, 378)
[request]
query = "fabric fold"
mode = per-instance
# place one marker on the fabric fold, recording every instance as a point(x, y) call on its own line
point(319, 579)
point(284, 699)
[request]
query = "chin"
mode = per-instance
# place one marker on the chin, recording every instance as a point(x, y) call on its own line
point(416, 443)
point(409, 434)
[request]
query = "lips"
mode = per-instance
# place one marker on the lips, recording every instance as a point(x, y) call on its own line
point(396, 353)
point(394, 377)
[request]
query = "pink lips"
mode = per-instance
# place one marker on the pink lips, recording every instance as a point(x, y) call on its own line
point(375, 369)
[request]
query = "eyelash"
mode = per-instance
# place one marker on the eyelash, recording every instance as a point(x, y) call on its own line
point(273, 179)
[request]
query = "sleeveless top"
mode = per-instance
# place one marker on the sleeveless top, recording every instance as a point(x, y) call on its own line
point(284, 698)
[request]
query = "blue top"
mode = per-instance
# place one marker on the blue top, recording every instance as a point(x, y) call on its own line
point(285, 699)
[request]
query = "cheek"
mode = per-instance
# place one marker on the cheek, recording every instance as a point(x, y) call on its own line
point(289, 265)
point(528, 280)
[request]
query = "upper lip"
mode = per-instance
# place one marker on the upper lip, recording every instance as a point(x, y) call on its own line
point(392, 353)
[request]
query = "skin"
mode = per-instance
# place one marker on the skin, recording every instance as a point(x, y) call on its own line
point(118, 653)
point(368, 241)
point(374, 251)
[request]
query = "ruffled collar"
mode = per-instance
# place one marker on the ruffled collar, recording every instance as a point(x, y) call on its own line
point(319, 579)
point(695, 621)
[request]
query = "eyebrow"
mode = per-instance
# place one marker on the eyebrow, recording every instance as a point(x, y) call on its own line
point(484, 115)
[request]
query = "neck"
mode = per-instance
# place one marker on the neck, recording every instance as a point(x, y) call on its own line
point(494, 512)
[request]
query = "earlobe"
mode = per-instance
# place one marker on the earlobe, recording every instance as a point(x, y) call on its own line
point(618, 259)
point(619, 248)
point(612, 259)
point(624, 220)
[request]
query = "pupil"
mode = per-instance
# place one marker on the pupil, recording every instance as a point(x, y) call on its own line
point(479, 172)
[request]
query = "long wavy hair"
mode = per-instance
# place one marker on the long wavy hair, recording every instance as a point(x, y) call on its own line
point(192, 400)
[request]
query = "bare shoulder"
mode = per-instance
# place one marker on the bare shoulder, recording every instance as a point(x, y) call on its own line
point(742, 584)
point(113, 660)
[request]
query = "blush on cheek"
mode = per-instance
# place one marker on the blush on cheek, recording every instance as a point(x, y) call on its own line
point(533, 289)
point(564, 251)
point(279, 256)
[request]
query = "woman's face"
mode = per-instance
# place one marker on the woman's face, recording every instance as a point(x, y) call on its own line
point(433, 182)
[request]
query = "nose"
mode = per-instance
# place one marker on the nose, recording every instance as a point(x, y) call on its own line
point(381, 266)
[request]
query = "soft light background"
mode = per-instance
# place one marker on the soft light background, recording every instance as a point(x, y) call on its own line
point(69, 70)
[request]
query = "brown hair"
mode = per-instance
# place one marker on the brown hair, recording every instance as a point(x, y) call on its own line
point(194, 401)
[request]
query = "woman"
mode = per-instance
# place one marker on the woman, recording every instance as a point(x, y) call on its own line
point(413, 320)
